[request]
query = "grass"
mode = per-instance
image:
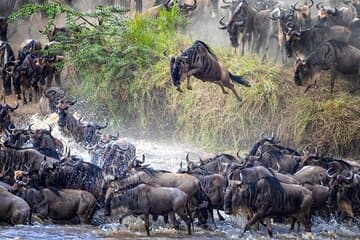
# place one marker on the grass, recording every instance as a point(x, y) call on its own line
point(123, 75)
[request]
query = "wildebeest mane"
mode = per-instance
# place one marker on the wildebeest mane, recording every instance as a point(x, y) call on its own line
point(151, 171)
point(193, 48)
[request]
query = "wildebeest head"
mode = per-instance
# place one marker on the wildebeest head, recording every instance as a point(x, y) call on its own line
point(7, 75)
point(302, 71)
point(234, 27)
point(5, 119)
point(91, 132)
point(339, 184)
point(54, 94)
point(233, 196)
point(178, 66)
point(303, 9)
point(293, 34)
point(62, 109)
point(324, 12)
point(186, 8)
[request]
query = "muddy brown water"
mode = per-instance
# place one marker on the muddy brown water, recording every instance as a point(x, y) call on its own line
point(164, 155)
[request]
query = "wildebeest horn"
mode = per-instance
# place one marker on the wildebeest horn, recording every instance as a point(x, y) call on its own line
point(187, 157)
point(201, 161)
point(229, 177)
point(72, 102)
point(241, 177)
point(12, 108)
point(238, 154)
point(271, 139)
point(181, 165)
point(103, 127)
point(49, 93)
point(188, 7)
point(333, 11)
point(328, 173)
point(318, 5)
point(223, 25)
point(167, 55)
point(50, 128)
point(10, 129)
point(278, 166)
point(29, 127)
point(143, 159)
point(290, 25)
point(294, 7)
point(274, 18)
point(350, 177)
point(312, 3)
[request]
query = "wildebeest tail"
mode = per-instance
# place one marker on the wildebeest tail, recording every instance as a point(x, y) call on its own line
point(239, 80)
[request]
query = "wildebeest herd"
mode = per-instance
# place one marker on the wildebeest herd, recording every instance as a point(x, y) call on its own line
point(39, 176)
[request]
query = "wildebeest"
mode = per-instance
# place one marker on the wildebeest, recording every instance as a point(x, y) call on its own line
point(70, 174)
point(331, 16)
point(214, 186)
point(344, 194)
point(26, 80)
point(199, 61)
point(302, 43)
point(286, 200)
point(29, 160)
point(240, 25)
point(59, 205)
point(304, 13)
point(312, 174)
point(29, 46)
point(13, 209)
point(145, 200)
point(185, 182)
point(332, 55)
point(48, 101)
point(5, 119)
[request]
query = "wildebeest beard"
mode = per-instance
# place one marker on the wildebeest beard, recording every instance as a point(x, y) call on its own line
point(175, 74)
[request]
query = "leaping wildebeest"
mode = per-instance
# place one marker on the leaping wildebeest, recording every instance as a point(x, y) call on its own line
point(200, 61)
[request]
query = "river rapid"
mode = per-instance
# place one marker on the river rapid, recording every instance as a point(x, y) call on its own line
point(165, 155)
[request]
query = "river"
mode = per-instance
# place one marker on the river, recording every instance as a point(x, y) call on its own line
point(165, 155)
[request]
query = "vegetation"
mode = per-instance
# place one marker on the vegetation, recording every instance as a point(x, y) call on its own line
point(117, 63)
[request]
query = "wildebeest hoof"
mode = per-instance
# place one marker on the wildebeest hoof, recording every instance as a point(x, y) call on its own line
point(189, 88)
point(179, 90)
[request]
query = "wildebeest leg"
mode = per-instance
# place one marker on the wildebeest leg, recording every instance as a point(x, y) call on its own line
point(333, 74)
point(243, 39)
point(257, 216)
point(222, 87)
point(173, 220)
point(188, 83)
point(221, 218)
point(24, 97)
point(269, 227)
point(166, 218)
point(182, 214)
point(121, 218)
point(147, 223)
point(232, 88)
